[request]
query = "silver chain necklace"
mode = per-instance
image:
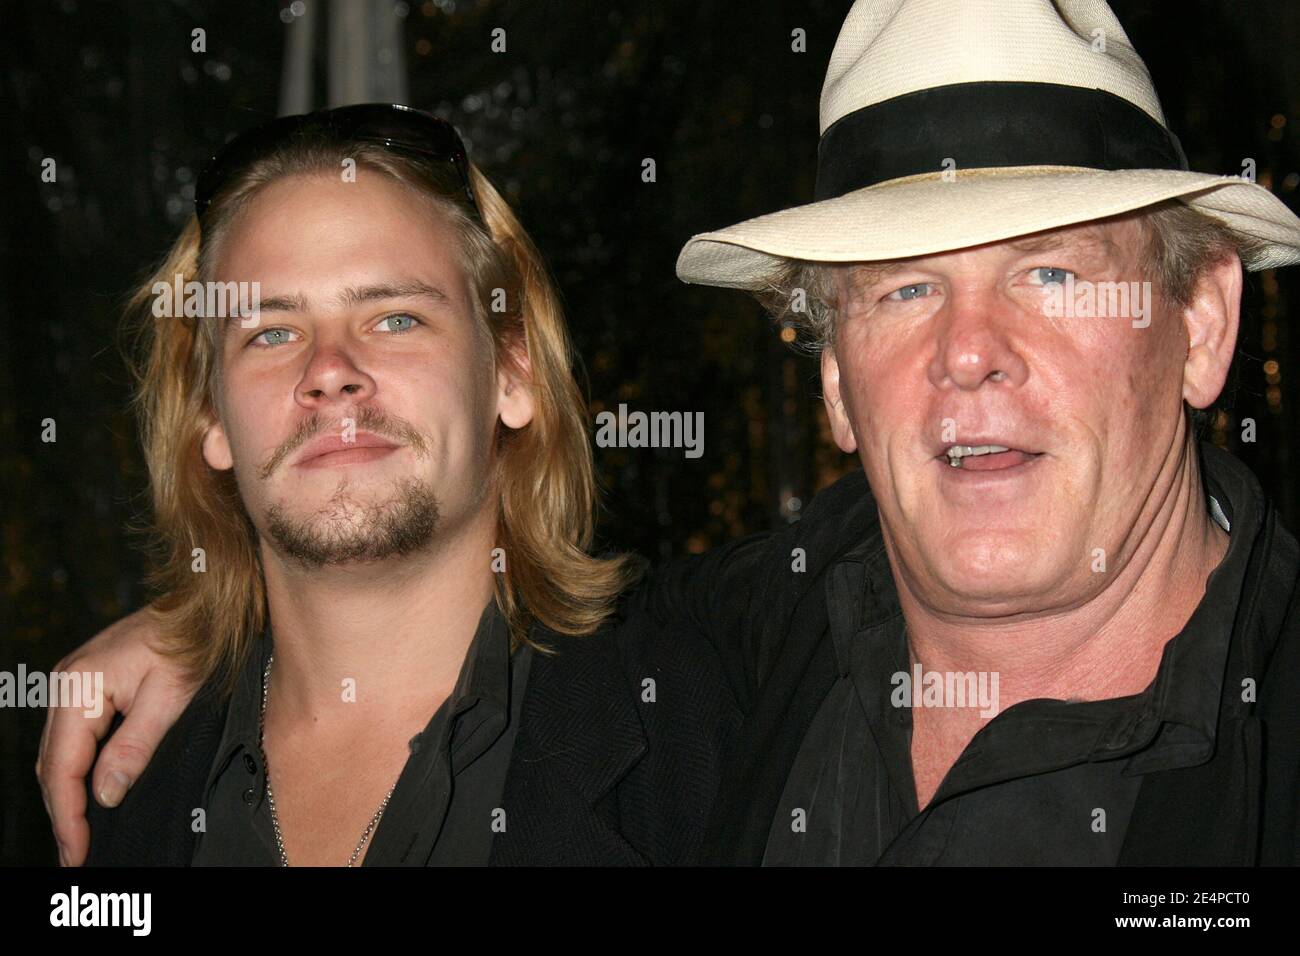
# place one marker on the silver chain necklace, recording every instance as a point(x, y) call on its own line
point(270, 797)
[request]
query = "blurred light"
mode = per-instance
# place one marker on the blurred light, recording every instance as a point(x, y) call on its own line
point(1278, 121)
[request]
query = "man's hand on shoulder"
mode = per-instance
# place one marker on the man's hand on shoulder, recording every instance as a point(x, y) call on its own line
point(147, 688)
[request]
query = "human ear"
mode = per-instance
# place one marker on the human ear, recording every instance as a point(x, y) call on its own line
point(841, 427)
point(216, 447)
point(515, 398)
point(1212, 318)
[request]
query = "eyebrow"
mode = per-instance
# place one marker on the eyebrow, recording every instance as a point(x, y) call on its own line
point(1090, 238)
point(358, 295)
point(349, 298)
point(863, 275)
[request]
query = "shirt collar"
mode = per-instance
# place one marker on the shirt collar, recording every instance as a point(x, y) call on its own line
point(243, 718)
point(1174, 721)
point(1183, 700)
point(484, 677)
point(484, 680)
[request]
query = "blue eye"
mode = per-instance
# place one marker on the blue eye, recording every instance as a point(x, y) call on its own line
point(909, 292)
point(1054, 274)
point(286, 332)
point(268, 332)
point(270, 337)
point(402, 315)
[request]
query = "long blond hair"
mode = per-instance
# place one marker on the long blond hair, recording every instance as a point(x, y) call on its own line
point(544, 471)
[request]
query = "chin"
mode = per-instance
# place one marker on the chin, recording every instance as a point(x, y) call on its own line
point(989, 566)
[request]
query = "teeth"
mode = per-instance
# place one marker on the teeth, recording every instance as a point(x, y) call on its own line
point(962, 451)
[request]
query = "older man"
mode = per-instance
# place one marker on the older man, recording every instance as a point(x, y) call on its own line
point(1042, 624)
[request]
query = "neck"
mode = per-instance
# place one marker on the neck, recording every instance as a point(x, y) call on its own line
point(397, 631)
point(1110, 644)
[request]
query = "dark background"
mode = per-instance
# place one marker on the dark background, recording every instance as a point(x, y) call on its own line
point(562, 121)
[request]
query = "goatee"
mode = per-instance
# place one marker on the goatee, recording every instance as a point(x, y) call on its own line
point(347, 530)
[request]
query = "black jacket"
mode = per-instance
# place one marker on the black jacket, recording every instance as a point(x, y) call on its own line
point(599, 775)
point(1241, 807)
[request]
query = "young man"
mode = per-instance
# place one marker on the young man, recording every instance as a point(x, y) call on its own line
point(373, 495)
point(1035, 525)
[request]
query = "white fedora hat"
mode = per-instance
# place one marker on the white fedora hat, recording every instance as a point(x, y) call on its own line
point(946, 125)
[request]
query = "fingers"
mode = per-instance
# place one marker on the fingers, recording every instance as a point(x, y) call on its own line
point(67, 751)
point(158, 702)
point(122, 653)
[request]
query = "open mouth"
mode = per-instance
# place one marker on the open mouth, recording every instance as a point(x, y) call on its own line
point(985, 458)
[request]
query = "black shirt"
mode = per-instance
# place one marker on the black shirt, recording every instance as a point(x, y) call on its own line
point(446, 805)
point(1045, 782)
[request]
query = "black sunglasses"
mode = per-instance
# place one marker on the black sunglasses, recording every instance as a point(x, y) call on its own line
point(396, 127)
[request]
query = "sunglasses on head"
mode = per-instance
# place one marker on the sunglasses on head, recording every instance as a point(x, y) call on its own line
point(398, 128)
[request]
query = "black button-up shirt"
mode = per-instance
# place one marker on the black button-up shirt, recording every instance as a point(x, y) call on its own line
point(446, 805)
point(1045, 782)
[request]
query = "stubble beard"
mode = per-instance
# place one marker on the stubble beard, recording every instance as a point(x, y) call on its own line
point(346, 530)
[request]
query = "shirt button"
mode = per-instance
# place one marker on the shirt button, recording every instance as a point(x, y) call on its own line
point(249, 796)
point(250, 764)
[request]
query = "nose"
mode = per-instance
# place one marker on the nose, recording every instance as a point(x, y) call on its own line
point(333, 377)
point(976, 342)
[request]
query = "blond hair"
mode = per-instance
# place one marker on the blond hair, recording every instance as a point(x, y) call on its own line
point(544, 472)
